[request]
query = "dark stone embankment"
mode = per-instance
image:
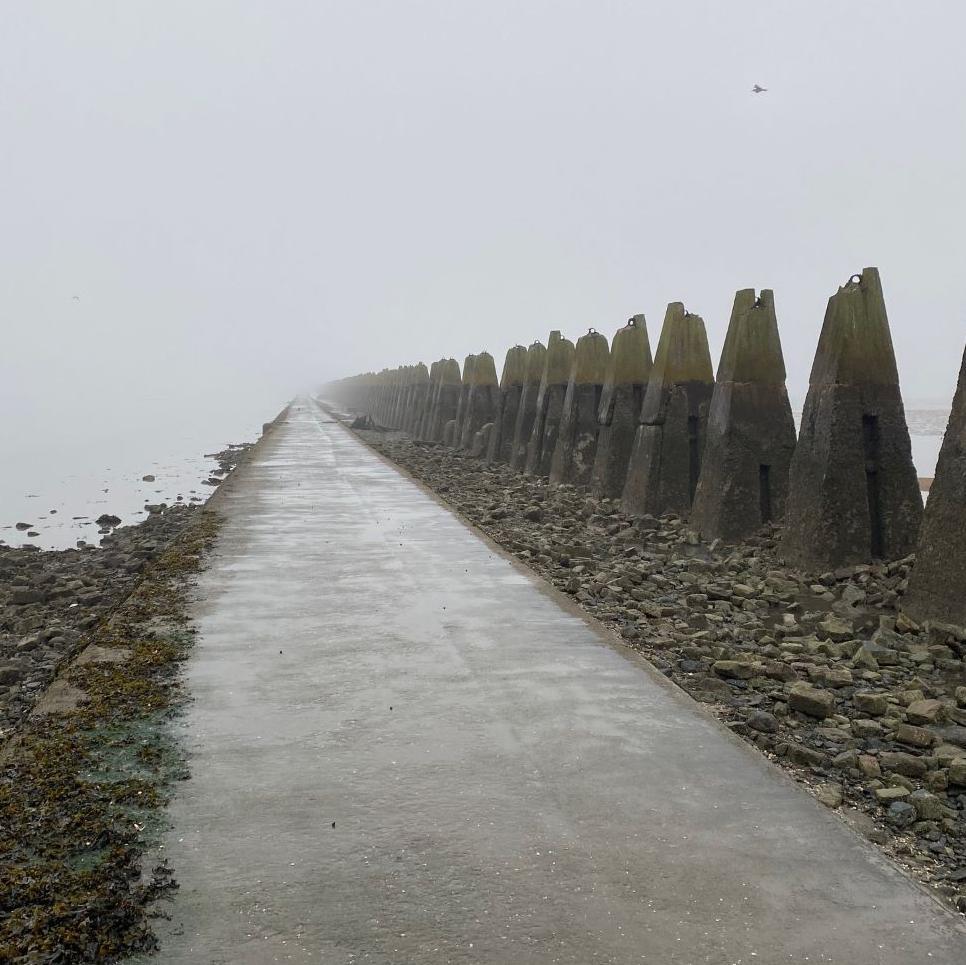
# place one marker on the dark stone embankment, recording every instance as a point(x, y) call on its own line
point(818, 670)
point(49, 599)
point(91, 642)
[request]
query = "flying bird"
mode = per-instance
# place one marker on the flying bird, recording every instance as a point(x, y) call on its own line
point(77, 298)
point(758, 90)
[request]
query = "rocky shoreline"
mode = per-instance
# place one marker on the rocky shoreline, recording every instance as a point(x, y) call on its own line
point(49, 599)
point(818, 671)
point(91, 640)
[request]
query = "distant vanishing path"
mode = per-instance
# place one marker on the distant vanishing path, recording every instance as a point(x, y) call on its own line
point(406, 749)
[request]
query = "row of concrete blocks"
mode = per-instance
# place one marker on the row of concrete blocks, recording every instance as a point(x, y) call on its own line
point(665, 436)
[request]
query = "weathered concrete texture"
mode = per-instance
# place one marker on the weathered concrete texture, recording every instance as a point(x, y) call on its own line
point(449, 433)
point(550, 401)
point(405, 750)
point(750, 432)
point(937, 585)
point(481, 441)
point(446, 399)
point(573, 455)
point(620, 407)
point(464, 398)
point(512, 382)
point(415, 398)
point(399, 386)
point(665, 463)
point(424, 417)
point(853, 491)
point(482, 400)
point(527, 411)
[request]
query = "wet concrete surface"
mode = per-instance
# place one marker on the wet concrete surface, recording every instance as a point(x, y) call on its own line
point(404, 748)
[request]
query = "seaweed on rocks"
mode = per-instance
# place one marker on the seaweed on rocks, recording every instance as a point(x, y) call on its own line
point(82, 780)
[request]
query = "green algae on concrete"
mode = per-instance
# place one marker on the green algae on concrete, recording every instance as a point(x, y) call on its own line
point(550, 399)
point(937, 585)
point(512, 383)
point(620, 406)
point(853, 489)
point(665, 462)
point(526, 413)
point(573, 455)
point(750, 430)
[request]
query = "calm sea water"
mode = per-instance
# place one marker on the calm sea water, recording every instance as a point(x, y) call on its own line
point(60, 487)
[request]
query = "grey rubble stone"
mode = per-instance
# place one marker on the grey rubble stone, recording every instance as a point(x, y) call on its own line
point(925, 711)
point(763, 722)
point(829, 794)
point(901, 814)
point(928, 806)
point(900, 762)
point(915, 736)
point(875, 705)
point(886, 795)
point(810, 701)
point(738, 669)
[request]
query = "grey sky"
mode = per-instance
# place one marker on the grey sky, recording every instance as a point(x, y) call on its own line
point(251, 196)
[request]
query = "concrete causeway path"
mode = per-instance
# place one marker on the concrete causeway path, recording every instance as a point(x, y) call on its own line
point(405, 748)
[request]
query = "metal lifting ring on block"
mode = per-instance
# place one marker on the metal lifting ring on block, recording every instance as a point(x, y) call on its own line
point(591, 331)
point(856, 278)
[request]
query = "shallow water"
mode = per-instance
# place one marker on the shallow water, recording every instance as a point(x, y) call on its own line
point(62, 488)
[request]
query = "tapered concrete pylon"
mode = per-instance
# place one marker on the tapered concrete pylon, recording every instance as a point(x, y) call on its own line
point(620, 407)
point(526, 413)
point(445, 400)
point(449, 433)
point(482, 400)
point(937, 585)
point(425, 413)
point(662, 474)
point(400, 385)
point(415, 397)
point(512, 383)
point(550, 400)
point(751, 431)
point(853, 491)
point(573, 456)
point(464, 396)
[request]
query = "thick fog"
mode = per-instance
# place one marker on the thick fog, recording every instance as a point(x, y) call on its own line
point(208, 205)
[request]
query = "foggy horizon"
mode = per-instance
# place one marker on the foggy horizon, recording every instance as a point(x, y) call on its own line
point(208, 207)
